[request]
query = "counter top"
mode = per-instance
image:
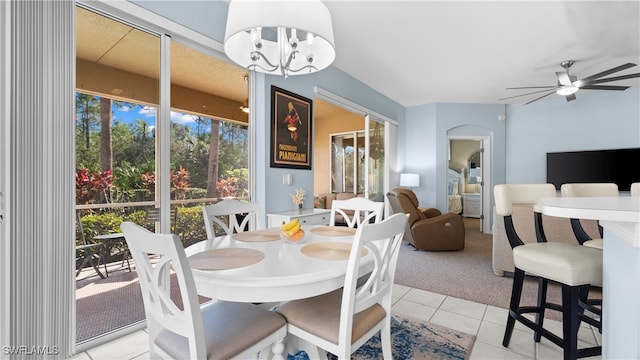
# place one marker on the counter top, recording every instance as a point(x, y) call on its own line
point(620, 215)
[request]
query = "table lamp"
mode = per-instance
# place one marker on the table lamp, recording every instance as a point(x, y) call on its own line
point(409, 180)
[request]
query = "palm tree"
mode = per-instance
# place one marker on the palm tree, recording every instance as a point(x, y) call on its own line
point(106, 154)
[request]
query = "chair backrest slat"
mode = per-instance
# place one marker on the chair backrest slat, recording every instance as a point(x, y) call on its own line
point(225, 214)
point(356, 211)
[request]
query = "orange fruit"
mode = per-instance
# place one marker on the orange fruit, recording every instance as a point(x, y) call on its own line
point(297, 236)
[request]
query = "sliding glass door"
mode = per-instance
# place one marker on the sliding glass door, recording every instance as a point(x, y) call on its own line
point(117, 99)
point(375, 167)
point(347, 162)
point(161, 130)
point(358, 160)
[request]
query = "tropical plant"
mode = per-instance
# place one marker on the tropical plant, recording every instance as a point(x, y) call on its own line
point(227, 187)
point(179, 182)
point(92, 187)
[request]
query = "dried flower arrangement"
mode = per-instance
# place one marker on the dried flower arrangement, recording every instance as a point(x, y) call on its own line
point(298, 196)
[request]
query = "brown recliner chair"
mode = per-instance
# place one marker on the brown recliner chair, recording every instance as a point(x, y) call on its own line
point(428, 228)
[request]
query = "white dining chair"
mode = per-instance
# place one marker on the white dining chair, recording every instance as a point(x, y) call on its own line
point(215, 329)
point(343, 320)
point(354, 211)
point(588, 190)
point(635, 189)
point(225, 215)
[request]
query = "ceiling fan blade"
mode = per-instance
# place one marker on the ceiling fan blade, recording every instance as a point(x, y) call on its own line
point(615, 78)
point(604, 87)
point(543, 96)
point(563, 78)
point(610, 71)
point(530, 93)
point(532, 87)
point(570, 97)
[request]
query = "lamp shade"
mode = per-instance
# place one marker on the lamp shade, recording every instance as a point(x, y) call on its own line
point(409, 180)
point(260, 33)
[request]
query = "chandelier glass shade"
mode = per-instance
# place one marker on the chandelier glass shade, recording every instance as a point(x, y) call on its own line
point(280, 37)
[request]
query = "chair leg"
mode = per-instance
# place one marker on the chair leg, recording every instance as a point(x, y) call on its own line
point(542, 303)
point(385, 336)
point(103, 257)
point(590, 305)
point(126, 257)
point(570, 320)
point(96, 267)
point(516, 293)
point(278, 348)
point(88, 258)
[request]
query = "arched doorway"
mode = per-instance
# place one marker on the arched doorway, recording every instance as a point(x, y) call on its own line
point(469, 162)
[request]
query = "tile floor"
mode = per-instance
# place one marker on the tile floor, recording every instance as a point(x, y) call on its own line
point(485, 322)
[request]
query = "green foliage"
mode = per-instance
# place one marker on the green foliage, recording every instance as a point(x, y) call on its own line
point(97, 224)
point(195, 193)
point(233, 149)
point(127, 176)
point(241, 177)
point(189, 224)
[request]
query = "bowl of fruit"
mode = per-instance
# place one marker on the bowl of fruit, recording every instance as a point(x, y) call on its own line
point(292, 232)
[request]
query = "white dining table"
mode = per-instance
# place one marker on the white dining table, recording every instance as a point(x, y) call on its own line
point(284, 273)
point(620, 218)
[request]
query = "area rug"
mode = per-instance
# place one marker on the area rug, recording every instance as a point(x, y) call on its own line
point(415, 339)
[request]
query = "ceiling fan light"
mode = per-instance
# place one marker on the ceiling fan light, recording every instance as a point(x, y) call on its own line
point(567, 90)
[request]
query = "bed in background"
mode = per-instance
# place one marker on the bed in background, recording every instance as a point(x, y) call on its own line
point(455, 184)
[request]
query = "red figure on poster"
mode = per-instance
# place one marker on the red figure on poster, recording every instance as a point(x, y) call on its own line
point(292, 120)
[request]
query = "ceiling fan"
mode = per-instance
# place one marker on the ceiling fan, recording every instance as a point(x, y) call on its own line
point(568, 85)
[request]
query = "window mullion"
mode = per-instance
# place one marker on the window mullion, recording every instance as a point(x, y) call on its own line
point(163, 140)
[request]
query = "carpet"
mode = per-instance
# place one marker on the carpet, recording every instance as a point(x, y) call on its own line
point(415, 339)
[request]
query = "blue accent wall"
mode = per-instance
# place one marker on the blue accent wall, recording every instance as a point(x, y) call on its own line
point(594, 121)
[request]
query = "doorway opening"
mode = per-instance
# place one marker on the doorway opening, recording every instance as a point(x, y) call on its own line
point(468, 178)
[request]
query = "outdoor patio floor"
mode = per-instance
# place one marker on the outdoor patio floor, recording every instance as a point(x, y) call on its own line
point(106, 305)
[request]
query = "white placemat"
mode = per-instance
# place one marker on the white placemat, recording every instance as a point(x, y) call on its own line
point(329, 250)
point(257, 235)
point(226, 258)
point(333, 231)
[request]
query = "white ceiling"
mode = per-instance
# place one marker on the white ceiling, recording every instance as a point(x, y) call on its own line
point(418, 52)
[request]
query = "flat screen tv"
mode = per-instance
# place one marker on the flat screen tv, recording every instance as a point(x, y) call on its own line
point(621, 166)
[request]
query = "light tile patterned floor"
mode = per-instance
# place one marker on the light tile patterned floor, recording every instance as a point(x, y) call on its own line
point(486, 322)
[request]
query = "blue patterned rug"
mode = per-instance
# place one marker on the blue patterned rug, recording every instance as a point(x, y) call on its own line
point(414, 339)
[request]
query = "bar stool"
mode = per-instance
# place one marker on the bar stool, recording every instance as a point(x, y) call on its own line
point(588, 190)
point(571, 265)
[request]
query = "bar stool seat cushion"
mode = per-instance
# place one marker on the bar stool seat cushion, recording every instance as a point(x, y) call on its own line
point(565, 263)
point(594, 243)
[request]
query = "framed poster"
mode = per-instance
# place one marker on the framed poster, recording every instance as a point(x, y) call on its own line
point(290, 130)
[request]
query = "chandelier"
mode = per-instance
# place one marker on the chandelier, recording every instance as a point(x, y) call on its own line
point(279, 37)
